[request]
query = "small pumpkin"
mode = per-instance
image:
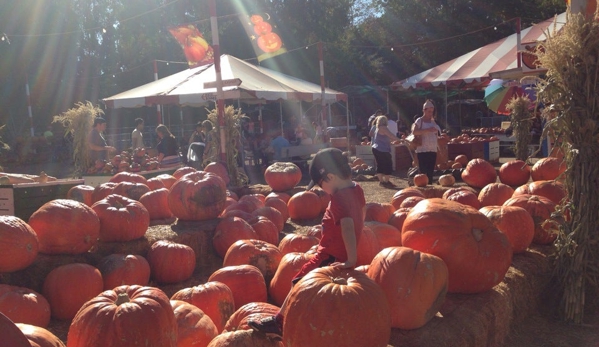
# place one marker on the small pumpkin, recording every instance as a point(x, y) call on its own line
point(171, 262)
point(265, 229)
point(124, 269)
point(121, 219)
point(549, 168)
point(245, 281)
point(446, 180)
point(278, 204)
point(540, 208)
point(401, 195)
point(386, 234)
point(102, 190)
point(194, 327)
point(495, 194)
point(24, 305)
point(514, 173)
point(551, 189)
point(515, 222)
point(297, 243)
point(131, 190)
point(304, 205)
point(398, 218)
point(465, 197)
point(478, 173)
point(156, 202)
point(128, 177)
point(421, 180)
point(218, 169)
point(273, 214)
point(19, 244)
point(264, 256)
point(411, 201)
point(82, 193)
point(380, 212)
point(230, 230)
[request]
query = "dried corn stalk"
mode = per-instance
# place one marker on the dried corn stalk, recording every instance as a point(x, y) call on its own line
point(521, 122)
point(78, 122)
point(233, 137)
point(572, 86)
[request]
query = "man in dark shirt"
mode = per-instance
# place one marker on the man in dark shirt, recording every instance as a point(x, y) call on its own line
point(98, 148)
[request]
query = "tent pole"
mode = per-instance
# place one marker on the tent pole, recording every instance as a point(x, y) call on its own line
point(323, 109)
point(446, 123)
point(220, 102)
point(158, 112)
point(260, 118)
point(29, 106)
point(181, 116)
point(281, 117)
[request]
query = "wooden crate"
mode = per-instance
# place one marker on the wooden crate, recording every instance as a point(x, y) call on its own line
point(401, 157)
point(470, 150)
point(21, 200)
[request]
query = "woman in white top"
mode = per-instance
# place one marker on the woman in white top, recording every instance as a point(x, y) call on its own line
point(428, 129)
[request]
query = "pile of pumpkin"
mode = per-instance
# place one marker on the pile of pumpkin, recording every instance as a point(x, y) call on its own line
point(484, 130)
point(358, 166)
point(406, 255)
point(127, 161)
point(466, 138)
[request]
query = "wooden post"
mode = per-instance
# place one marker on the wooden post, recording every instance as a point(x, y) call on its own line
point(220, 102)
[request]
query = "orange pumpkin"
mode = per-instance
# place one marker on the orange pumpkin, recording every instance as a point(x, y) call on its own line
point(379, 212)
point(279, 204)
point(82, 193)
point(67, 287)
point(465, 197)
point(220, 170)
point(325, 198)
point(332, 296)
point(156, 202)
point(194, 327)
point(297, 243)
point(19, 244)
point(230, 230)
point(387, 235)
point(197, 196)
point(264, 256)
point(495, 194)
point(128, 177)
point(102, 190)
point(57, 216)
point(478, 173)
point(283, 196)
point(290, 265)
point(265, 229)
point(114, 318)
point(462, 159)
point(401, 195)
point(155, 183)
point(171, 262)
point(121, 219)
point(229, 213)
point(282, 176)
point(244, 338)
point(245, 281)
point(514, 173)
point(548, 168)
point(368, 246)
point(398, 218)
point(515, 222)
point(39, 337)
point(273, 214)
point(540, 208)
point(180, 172)
point(457, 165)
point(251, 311)
point(414, 284)
point(304, 205)
point(421, 180)
point(131, 190)
point(270, 42)
point(552, 190)
point(446, 180)
point(475, 252)
point(256, 200)
point(411, 201)
point(24, 305)
point(121, 269)
point(215, 299)
point(167, 180)
point(452, 191)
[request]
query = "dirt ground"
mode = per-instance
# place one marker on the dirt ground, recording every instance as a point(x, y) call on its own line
point(541, 329)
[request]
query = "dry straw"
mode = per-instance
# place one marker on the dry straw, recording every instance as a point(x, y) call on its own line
point(232, 128)
point(78, 122)
point(571, 86)
point(521, 121)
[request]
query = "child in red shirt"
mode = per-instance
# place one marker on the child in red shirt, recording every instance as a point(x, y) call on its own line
point(342, 224)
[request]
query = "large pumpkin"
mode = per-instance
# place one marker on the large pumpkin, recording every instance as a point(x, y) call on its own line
point(12, 336)
point(194, 327)
point(304, 205)
point(167, 180)
point(398, 218)
point(121, 219)
point(171, 262)
point(23, 305)
point(263, 255)
point(121, 269)
point(230, 230)
point(282, 176)
point(82, 193)
point(156, 202)
point(197, 196)
point(131, 190)
point(514, 173)
point(246, 283)
point(297, 243)
point(39, 337)
point(273, 214)
point(465, 197)
point(128, 177)
point(420, 180)
point(379, 212)
point(65, 226)
point(182, 171)
point(540, 208)
point(495, 194)
point(329, 298)
point(215, 299)
point(325, 198)
point(548, 168)
point(18, 244)
point(552, 190)
point(278, 204)
point(155, 183)
point(478, 173)
point(265, 229)
point(290, 265)
point(515, 222)
point(67, 287)
point(251, 311)
point(476, 253)
point(125, 316)
point(414, 283)
point(367, 247)
point(218, 169)
point(244, 338)
point(102, 190)
point(386, 234)
point(401, 195)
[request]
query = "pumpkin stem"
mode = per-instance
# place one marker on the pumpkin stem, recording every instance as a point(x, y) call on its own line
point(122, 299)
point(478, 234)
point(340, 280)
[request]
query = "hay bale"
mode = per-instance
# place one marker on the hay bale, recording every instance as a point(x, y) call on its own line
point(485, 319)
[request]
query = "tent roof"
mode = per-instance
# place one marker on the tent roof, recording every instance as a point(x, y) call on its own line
point(258, 84)
point(473, 68)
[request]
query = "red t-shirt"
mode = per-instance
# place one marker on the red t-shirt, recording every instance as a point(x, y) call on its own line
point(347, 202)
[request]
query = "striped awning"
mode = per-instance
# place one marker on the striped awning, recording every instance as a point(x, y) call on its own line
point(258, 85)
point(472, 69)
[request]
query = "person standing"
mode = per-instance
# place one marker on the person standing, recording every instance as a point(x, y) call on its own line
point(427, 128)
point(371, 121)
point(199, 135)
point(318, 137)
point(98, 148)
point(381, 148)
point(277, 145)
point(168, 150)
point(392, 126)
point(137, 137)
point(342, 225)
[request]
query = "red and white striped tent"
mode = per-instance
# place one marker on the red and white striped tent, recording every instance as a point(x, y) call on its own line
point(258, 85)
point(473, 69)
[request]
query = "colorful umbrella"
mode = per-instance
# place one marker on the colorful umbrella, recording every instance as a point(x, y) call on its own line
point(499, 93)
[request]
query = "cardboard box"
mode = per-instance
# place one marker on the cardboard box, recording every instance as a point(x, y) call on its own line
point(402, 159)
point(21, 200)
